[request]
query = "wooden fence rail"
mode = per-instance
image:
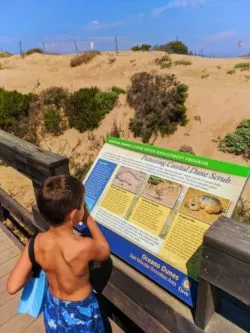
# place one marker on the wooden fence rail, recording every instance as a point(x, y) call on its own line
point(225, 261)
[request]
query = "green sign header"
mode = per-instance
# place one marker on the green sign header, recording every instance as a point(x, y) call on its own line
point(225, 167)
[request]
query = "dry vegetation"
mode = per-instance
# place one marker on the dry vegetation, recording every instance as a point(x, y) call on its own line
point(83, 58)
point(33, 51)
point(159, 103)
point(5, 54)
point(184, 62)
point(164, 62)
point(243, 66)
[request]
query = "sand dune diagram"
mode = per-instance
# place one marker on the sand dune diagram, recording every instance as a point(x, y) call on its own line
point(162, 191)
point(129, 179)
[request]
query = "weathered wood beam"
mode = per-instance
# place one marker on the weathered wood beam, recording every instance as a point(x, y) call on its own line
point(17, 211)
point(30, 160)
point(225, 266)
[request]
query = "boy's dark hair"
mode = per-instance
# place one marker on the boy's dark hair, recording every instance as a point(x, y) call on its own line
point(58, 196)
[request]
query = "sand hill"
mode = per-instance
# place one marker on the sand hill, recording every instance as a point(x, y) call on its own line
point(216, 103)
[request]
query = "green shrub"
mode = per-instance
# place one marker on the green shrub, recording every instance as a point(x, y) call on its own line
point(183, 62)
point(177, 47)
point(83, 58)
point(118, 90)
point(14, 106)
point(88, 106)
point(5, 54)
point(237, 142)
point(231, 71)
point(143, 47)
point(158, 101)
point(52, 122)
point(187, 149)
point(82, 112)
point(164, 62)
point(105, 101)
point(243, 66)
point(55, 95)
point(34, 50)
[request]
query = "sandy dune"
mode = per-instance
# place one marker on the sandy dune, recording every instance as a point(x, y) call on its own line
point(220, 100)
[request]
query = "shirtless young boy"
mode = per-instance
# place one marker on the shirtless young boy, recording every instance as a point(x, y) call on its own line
point(70, 304)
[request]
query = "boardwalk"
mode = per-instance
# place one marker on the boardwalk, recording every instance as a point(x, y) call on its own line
point(10, 321)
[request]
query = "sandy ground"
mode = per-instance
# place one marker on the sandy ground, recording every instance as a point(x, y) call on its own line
point(220, 102)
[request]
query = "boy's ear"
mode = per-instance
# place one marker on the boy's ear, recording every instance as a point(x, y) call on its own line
point(73, 215)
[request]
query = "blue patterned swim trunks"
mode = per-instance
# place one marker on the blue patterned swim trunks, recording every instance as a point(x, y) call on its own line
point(72, 317)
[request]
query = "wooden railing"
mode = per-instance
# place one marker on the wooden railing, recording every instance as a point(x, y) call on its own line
point(224, 286)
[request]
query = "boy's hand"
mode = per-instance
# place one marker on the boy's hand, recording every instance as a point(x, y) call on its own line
point(86, 214)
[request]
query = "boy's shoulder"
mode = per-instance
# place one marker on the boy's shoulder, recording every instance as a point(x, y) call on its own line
point(78, 242)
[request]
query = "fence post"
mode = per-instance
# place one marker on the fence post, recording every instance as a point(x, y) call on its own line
point(21, 50)
point(116, 45)
point(77, 51)
point(44, 50)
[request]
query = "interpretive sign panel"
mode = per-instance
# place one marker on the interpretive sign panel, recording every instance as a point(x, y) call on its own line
point(154, 206)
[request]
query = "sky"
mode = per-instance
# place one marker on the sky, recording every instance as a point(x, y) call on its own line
point(213, 27)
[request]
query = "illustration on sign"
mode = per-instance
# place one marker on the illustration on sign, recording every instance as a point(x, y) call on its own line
point(154, 206)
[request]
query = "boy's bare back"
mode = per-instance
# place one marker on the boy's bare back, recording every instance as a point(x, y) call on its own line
point(65, 260)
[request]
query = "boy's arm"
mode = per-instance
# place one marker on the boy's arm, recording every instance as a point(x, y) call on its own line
point(99, 249)
point(20, 273)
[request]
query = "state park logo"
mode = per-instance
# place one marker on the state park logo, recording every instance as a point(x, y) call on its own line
point(186, 284)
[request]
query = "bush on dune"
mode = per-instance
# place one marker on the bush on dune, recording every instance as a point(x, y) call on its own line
point(55, 95)
point(158, 101)
point(83, 58)
point(184, 62)
point(243, 66)
point(15, 114)
point(105, 101)
point(164, 62)
point(34, 50)
point(237, 142)
point(52, 122)
point(143, 47)
point(5, 54)
point(14, 106)
point(177, 47)
point(88, 106)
